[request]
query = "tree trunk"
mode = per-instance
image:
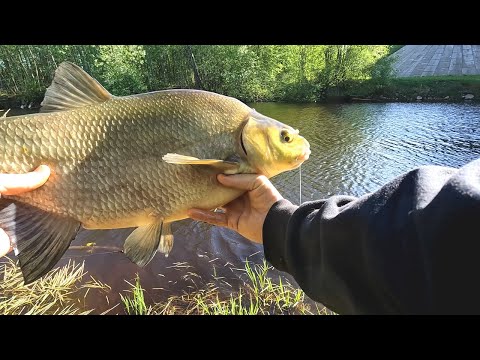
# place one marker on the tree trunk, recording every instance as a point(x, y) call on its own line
point(193, 64)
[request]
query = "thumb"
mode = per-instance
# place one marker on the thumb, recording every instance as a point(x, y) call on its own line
point(13, 184)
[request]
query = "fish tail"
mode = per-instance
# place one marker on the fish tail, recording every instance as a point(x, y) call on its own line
point(39, 238)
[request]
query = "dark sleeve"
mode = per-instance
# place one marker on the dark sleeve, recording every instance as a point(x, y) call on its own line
point(411, 247)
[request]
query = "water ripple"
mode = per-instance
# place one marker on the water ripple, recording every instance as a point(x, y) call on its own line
point(356, 148)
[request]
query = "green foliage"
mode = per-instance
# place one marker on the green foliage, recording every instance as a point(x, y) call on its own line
point(247, 72)
point(135, 304)
point(27, 70)
point(121, 68)
point(344, 63)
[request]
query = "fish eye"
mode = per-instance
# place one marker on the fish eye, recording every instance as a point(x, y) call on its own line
point(286, 136)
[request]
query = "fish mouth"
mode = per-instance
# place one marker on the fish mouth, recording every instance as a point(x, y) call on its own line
point(305, 155)
point(299, 160)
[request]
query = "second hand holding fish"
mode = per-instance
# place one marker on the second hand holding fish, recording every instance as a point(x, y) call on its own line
point(246, 214)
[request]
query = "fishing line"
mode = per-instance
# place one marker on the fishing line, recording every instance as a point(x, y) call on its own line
point(300, 169)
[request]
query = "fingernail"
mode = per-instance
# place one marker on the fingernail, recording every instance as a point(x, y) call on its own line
point(42, 168)
point(222, 178)
point(196, 214)
point(191, 212)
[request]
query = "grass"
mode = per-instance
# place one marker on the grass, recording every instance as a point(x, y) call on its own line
point(259, 295)
point(465, 79)
point(135, 304)
point(58, 292)
point(55, 293)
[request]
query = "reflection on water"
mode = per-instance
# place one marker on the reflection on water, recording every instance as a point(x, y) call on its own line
point(356, 148)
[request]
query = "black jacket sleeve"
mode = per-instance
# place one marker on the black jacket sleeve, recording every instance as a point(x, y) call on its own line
point(412, 246)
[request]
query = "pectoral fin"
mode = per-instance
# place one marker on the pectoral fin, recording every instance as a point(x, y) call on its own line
point(228, 167)
point(142, 244)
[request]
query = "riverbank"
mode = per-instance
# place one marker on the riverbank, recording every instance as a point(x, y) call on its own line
point(408, 89)
point(20, 101)
point(411, 89)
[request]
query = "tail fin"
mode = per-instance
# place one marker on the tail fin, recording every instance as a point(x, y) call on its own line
point(39, 238)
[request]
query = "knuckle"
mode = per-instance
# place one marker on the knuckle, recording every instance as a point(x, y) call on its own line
point(260, 181)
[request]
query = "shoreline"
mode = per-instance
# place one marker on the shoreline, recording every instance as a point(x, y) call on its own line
point(398, 90)
point(347, 100)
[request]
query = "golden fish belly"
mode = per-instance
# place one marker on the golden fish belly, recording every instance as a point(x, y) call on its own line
point(207, 194)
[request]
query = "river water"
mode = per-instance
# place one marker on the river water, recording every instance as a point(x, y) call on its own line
point(356, 148)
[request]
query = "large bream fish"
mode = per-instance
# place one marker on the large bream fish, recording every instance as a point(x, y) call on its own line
point(133, 161)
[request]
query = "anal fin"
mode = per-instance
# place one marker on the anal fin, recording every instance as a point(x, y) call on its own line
point(166, 240)
point(142, 244)
point(39, 238)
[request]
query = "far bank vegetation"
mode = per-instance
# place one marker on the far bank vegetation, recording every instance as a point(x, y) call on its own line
point(249, 72)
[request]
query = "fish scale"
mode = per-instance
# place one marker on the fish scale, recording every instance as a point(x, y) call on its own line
point(111, 163)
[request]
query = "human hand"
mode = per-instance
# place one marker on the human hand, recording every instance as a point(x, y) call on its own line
point(14, 184)
point(246, 214)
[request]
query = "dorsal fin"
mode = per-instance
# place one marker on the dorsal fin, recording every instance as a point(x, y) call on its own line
point(72, 88)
